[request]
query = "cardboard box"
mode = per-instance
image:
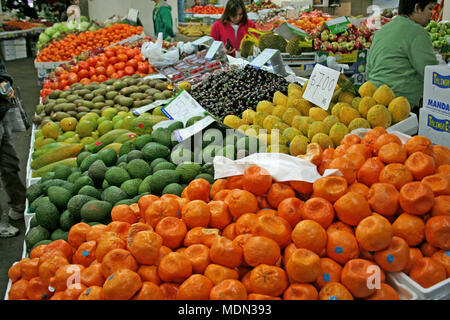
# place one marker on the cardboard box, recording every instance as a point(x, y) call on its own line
point(436, 91)
point(435, 126)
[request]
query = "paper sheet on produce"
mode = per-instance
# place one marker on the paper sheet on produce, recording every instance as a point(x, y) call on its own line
point(282, 167)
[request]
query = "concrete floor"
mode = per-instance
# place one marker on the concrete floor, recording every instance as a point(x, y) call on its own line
point(25, 77)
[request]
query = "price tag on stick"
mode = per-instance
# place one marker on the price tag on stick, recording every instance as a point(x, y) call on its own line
point(183, 107)
point(321, 86)
point(217, 47)
point(133, 15)
point(274, 57)
point(338, 25)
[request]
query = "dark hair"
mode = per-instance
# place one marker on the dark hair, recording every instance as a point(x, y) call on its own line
point(406, 7)
point(232, 9)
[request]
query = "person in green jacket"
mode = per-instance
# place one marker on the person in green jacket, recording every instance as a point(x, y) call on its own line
point(162, 19)
point(400, 51)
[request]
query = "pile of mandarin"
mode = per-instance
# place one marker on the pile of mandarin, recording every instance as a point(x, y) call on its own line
point(251, 237)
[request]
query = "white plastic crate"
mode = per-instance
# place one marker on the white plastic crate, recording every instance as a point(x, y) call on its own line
point(440, 291)
point(409, 126)
point(14, 49)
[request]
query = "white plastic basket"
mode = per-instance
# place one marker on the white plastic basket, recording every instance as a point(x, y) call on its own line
point(440, 291)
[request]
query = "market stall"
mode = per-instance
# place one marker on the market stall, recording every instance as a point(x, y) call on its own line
point(158, 170)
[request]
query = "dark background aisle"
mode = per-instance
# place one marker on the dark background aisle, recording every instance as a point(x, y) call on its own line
point(25, 77)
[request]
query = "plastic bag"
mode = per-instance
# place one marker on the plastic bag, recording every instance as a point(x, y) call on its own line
point(157, 56)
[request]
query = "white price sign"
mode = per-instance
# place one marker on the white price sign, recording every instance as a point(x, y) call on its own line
point(155, 76)
point(133, 14)
point(214, 49)
point(321, 86)
point(202, 40)
point(186, 133)
point(141, 110)
point(183, 107)
point(274, 57)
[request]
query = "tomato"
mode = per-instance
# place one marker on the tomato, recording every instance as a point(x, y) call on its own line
point(83, 73)
point(109, 53)
point(130, 53)
point(59, 70)
point(115, 75)
point(85, 81)
point(92, 61)
point(113, 60)
point(83, 65)
point(101, 78)
point(122, 58)
point(74, 69)
point(73, 78)
point(66, 88)
point(64, 75)
point(63, 84)
point(102, 58)
point(91, 72)
point(120, 73)
point(142, 67)
point(129, 70)
point(119, 66)
point(110, 70)
point(100, 70)
point(132, 63)
point(121, 50)
point(94, 78)
point(54, 85)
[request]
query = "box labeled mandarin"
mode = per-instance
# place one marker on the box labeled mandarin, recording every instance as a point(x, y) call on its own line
point(436, 93)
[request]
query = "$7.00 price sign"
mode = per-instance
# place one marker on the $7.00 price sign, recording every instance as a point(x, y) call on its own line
point(321, 85)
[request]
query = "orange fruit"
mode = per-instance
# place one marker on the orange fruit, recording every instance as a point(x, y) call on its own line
point(427, 272)
point(319, 210)
point(198, 254)
point(240, 202)
point(330, 271)
point(310, 235)
point(145, 201)
point(118, 259)
point(18, 290)
point(77, 234)
point(419, 144)
point(346, 167)
point(369, 172)
point(174, 267)
point(245, 223)
point(73, 291)
point(356, 159)
point(120, 228)
point(60, 281)
point(330, 188)
point(229, 289)
point(220, 215)
point(396, 174)
point(356, 276)
point(414, 255)
point(290, 210)
point(106, 243)
point(169, 290)
point(302, 186)
point(256, 180)
point(301, 291)
point(340, 226)
point(383, 140)
point(439, 184)
point(200, 235)
point(394, 258)
point(134, 230)
point(235, 182)
point(370, 138)
point(196, 287)
point(217, 273)
point(335, 291)
point(303, 266)
point(159, 209)
point(386, 292)
point(427, 249)
point(383, 198)
point(149, 273)
point(350, 139)
point(441, 206)
point(268, 280)
point(149, 291)
point(230, 231)
point(198, 189)
point(263, 203)
point(360, 188)
point(85, 254)
point(359, 148)
point(145, 247)
point(163, 251)
point(420, 165)
point(261, 250)
point(374, 233)
point(29, 268)
point(351, 208)
point(221, 195)
point(48, 268)
point(218, 185)
point(172, 230)
point(392, 153)
point(409, 227)
point(14, 272)
point(278, 192)
point(342, 246)
point(38, 251)
point(93, 275)
point(444, 258)
point(123, 213)
point(257, 296)
point(416, 198)
point(441, 155)
point(95, 232)
point(273, 227)
point(224, 252)
point(444, 169)
point(37, 290)
point(122, 285)
point(437, 232)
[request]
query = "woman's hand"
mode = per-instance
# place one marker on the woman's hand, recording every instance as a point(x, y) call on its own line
point(10, 94)
point(230, 50)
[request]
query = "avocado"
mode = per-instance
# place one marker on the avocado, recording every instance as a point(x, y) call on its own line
point(141, 141)
point(90, 191)
point(36, 235)
point(97, 171)
point(88, 161)
point(153, 150)
point(126, 148)
point(47, 216)
point(160, 179)
point(81, 182)
point(131, 187)
point(113, 194)
point(66, 220)
point(33, 192)
point(62, 172)
point(95, 210)
point(76, 202)
point(116, 176)
point(173, 188)
point(188, 171)
point(59, 197)
point(134, 154)
point(162, 136)
point(164, 166)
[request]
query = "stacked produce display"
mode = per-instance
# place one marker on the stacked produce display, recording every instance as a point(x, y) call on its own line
point(119, 196)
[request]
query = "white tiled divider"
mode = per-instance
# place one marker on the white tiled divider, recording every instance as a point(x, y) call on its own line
point(14, 49)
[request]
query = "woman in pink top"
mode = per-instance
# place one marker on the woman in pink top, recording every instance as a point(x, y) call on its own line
point(232, 26)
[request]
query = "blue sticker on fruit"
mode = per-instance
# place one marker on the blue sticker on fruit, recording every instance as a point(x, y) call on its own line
point(326, 277)
point(112, 276)
point(338, 250)
point(333, 298)
point(85, 253)
point(390, 258)
point(447, 253)
point(88, 290)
